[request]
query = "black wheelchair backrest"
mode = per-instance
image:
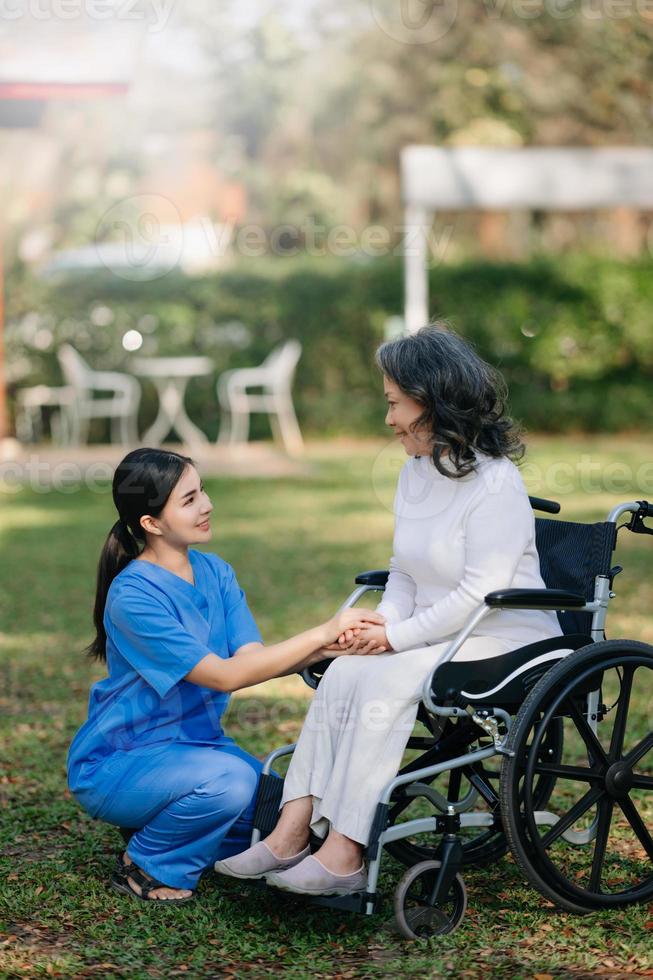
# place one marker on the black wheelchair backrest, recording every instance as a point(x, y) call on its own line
point(571, 556)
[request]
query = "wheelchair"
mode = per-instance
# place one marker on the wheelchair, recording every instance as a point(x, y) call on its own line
point(567, 724)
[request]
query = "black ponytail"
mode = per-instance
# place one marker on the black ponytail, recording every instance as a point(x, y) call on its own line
point(142, 484)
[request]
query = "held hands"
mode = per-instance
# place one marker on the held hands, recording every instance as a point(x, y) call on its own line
point(357, 631)
point(370, 638)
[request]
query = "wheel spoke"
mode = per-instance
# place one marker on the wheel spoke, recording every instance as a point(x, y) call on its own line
point(426, 916)
point(605, 808)
point(642, 782)
point(566, 772)
point(639, 751)
point(588, 736)
point(638, 825)
point(619, 730)
point(577, 811)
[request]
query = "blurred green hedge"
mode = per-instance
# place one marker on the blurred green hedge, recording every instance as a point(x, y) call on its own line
point(573, 335)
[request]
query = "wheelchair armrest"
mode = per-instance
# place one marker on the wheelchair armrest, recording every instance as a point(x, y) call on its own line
point(534, 599)
point(377, 578)
point(313, 675)
point(547, 506)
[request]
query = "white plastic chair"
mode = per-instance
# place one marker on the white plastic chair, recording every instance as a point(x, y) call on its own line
point(121, 407)
point(274, 376)
point(30, 403)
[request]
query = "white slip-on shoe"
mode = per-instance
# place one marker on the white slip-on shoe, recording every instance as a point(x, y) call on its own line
point(257, 861)
point(310, 877)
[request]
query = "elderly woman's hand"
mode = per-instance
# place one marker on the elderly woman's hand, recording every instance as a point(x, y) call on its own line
point(359, 638)
point(348, 623)
point(365, 639)
point(371, 639)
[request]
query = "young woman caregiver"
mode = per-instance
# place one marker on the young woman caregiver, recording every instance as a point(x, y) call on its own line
point(177, 636)
point(463, 527)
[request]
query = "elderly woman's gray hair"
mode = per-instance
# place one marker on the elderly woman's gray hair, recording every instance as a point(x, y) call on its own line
point(463, 397)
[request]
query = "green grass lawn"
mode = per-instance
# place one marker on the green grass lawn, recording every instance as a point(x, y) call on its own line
point(296, 545)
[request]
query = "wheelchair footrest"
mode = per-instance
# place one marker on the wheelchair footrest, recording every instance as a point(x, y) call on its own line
point(268, 800)
point(362, 902)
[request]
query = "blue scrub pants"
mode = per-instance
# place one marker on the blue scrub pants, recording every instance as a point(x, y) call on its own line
point(193, 802)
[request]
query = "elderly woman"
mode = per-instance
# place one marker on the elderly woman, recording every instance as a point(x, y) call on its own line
point(463, 527)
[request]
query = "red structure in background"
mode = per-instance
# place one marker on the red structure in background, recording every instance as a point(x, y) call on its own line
point(83, 65)
point(43, 93)
point(4, 428)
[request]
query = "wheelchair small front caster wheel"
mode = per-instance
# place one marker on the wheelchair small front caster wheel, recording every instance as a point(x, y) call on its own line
point(416, 917)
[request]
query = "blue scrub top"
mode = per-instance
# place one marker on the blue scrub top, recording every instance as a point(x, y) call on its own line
point(158, 628)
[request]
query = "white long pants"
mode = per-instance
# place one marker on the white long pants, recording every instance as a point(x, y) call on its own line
point(356, 730)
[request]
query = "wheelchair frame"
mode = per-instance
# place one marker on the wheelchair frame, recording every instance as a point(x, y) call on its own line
point(493, 723)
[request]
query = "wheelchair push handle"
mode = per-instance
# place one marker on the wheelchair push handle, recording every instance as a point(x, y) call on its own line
point(636, 522)
point(645, 509)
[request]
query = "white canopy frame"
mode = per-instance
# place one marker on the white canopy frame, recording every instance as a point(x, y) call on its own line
point(492, 178)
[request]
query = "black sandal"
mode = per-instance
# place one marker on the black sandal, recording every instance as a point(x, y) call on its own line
point(120, 883)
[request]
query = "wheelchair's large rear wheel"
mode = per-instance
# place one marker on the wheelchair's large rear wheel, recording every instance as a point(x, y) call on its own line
point(593, 846)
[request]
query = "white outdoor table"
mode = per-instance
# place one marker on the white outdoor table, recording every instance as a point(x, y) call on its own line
point(171, 376)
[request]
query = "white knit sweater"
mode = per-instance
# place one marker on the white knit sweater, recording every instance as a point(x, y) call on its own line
point(456, 540)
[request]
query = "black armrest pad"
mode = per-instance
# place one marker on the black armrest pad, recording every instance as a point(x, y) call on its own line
point(535, 599)
point(377, 578)
point(320, 667)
